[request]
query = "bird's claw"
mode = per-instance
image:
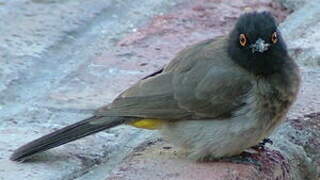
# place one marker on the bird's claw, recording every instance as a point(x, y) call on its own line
point(262, 144)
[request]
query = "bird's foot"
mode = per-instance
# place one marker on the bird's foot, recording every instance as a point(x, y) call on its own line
point(261, 145)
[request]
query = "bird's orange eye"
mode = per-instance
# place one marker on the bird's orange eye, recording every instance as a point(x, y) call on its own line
point(274, 37)
point(243, 40)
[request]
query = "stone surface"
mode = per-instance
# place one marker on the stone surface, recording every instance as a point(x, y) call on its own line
point(59, 60)
point(301, 33)
point(293, 4)
point(162, 161)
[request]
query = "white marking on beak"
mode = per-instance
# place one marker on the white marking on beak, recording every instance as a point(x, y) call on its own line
point(259, 46)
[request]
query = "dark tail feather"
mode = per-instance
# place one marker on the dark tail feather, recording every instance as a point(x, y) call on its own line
point(67, 134)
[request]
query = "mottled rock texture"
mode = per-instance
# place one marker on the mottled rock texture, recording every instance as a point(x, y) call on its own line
point(59, 60)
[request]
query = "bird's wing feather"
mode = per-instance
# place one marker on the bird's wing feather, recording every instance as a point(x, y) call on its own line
point(201, 82)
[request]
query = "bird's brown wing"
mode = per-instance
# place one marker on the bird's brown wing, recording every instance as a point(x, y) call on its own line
point(201, 82)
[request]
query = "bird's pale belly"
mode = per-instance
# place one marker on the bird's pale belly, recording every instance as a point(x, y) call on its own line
point(203, 139)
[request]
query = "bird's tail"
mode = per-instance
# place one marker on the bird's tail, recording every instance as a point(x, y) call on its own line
point(67, 134)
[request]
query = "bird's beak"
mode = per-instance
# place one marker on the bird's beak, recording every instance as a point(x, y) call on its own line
point(259, 46)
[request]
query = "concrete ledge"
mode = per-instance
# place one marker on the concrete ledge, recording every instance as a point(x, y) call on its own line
point(74, 56)
point(162, 161)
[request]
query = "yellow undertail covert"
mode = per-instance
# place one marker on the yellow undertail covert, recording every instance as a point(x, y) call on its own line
point(150, 124)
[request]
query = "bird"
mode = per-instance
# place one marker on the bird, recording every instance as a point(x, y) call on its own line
point(214, 99)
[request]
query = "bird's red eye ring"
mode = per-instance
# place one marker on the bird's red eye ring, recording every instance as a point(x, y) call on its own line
point(243, 40)
point(274, 38)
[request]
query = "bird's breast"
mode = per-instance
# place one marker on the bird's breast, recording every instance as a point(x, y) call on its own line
point(271, 102)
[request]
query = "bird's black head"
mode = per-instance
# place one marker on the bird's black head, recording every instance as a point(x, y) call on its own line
point(256, 44)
